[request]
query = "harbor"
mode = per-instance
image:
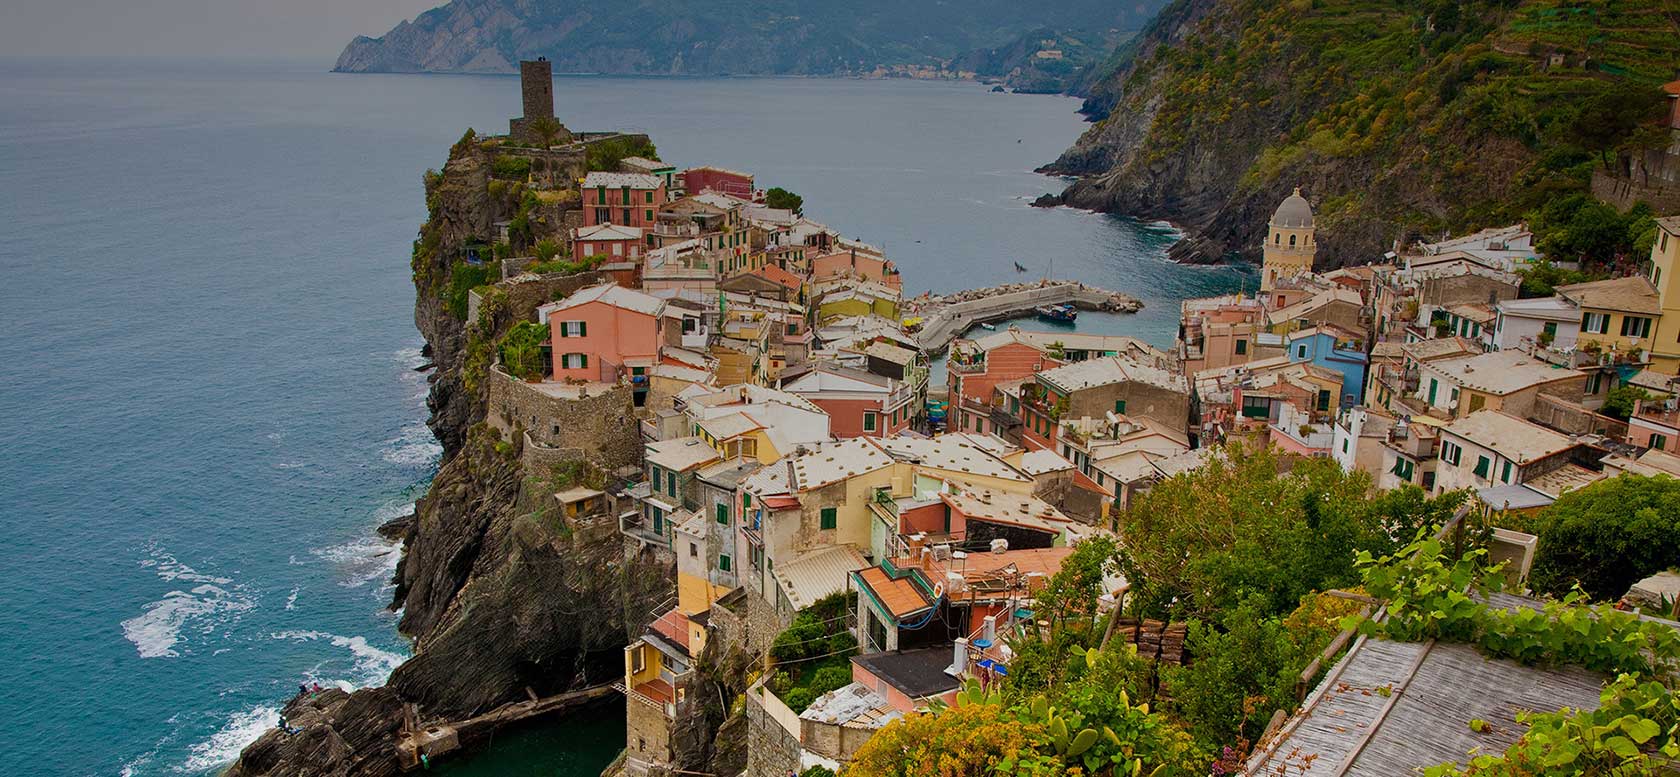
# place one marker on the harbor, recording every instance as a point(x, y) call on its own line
point(945, 317)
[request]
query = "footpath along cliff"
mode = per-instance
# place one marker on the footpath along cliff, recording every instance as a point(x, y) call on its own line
point(501, 597)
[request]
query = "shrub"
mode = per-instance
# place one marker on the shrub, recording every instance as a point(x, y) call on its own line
point(817, 770)
point(842, 644)
point(1607, 536)
point(521, 350)
point(605, 155)
point(513, 168)
point(830, 678)
point(798, 699)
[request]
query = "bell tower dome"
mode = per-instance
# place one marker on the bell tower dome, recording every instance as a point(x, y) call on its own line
point(1290, 245)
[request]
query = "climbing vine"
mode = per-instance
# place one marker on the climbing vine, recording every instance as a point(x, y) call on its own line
point(1635, 730)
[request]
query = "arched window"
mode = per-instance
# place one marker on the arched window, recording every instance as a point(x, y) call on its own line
point(1291, 241)
point(1277, 238)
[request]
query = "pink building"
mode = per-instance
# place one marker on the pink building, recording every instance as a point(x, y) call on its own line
point(604, 333)
point(625, 199)
point(617, 243)
point(718, 179)
point(858, 403)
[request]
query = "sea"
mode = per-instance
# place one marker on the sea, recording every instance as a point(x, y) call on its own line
point(208, 385)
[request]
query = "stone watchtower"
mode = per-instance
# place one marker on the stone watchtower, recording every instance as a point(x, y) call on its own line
point(536, 90)
point(1290, 246)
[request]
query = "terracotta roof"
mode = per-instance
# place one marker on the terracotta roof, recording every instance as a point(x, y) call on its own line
point(673, 626)
point(901, 597)
point(780, 277)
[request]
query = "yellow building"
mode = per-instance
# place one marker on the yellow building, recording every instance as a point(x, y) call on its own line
point(1290, 243)
point(1665, 276)
point(1618, 316)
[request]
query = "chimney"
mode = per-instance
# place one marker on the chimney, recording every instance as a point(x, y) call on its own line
point(959, 656)
point(989, 630)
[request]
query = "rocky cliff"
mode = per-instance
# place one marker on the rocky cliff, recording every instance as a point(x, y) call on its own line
point(1396, 117)
point(499, 596)
point(739, 37)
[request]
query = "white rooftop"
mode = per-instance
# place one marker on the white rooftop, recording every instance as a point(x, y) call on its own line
point(1511, 437)
point(680, 454)
point(620, 180)
point(1501, 372)
point(1108, 370)
point(609, 294)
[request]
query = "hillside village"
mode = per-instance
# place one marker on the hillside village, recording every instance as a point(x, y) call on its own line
point(740, 394)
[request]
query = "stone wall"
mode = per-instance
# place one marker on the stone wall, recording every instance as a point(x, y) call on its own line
point(647, 734)
point(598, 425)
point(771, 750)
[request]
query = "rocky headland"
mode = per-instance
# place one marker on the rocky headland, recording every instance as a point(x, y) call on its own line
point(502, 601)
point(1397, 119)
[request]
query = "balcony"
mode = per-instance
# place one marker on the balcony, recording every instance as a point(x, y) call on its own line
point(966, 367)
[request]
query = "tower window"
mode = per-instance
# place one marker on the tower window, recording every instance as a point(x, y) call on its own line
point(1291, 241)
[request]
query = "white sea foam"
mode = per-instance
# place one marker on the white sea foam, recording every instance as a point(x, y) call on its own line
point(157, 631)
point(291, 600)
point(241, 729)
point(369, 558)
point(370, 666)
point(414, 447)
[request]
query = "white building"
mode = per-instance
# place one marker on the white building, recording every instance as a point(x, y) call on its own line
point(1522, 322)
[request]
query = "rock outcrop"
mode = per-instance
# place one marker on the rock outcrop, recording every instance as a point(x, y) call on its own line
point(500, 597)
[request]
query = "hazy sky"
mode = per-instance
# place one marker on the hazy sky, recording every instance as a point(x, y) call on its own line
point(256, 29)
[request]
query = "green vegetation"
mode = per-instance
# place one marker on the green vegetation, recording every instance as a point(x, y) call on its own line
point(1636, 729)
point(511, 168)
point(465, 277)
point(1577, 226)
point(813, 656)
point(604, 156)
point(1607, 536)
point(777, 197)
point(1236, 529)
point(585, 264)
point(1619, 401)
point(1380, 99)
point(1541, 279)
point(547, 129)
point(521, 350)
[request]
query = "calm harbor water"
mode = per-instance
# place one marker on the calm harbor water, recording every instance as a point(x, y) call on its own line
point(206, 378)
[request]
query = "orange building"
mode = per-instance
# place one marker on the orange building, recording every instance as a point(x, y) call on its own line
point(604, 333)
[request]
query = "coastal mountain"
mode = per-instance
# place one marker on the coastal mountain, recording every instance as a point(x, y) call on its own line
point(744, 37)
point(1395, 117)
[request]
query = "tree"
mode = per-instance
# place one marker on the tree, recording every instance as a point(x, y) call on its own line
point(1609, 535)
point(604, 155)
point(1245, 667)
point(783, 199)
point(1610, 117)
point(971, 739)
point(547, 129)
point(1542, 278)
point(1201, 541)
point(1619, 401)
point(521, 350)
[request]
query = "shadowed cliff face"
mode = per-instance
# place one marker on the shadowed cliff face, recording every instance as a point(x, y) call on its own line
point(496, 595)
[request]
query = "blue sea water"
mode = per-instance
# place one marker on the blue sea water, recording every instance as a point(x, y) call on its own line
point(207, 387)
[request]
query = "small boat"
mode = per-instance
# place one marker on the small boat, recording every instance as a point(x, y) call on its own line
point(988, 327)
point(1061, 313)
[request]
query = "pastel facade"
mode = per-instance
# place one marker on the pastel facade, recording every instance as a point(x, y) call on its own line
point(604, 333)
point(1665, 278)
point(625, 199)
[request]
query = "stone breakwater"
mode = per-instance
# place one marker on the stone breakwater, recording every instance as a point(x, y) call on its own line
point(945, 316)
